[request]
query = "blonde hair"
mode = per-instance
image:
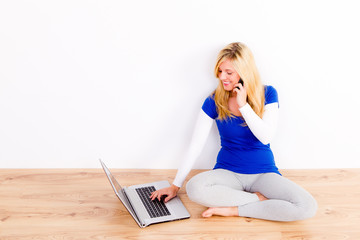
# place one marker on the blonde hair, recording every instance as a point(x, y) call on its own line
point(243, 62)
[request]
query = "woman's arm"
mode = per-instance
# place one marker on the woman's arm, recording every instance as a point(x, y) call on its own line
point(198, 140)
point(264, 129)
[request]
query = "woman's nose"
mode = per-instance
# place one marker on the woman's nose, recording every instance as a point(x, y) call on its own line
point(222, 76)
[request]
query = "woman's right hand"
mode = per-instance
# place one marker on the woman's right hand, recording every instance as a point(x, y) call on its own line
point(241, 95)
point(169, 192)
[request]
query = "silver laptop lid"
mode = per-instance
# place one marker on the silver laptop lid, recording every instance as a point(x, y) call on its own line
point(115, 185)
point(120, 193)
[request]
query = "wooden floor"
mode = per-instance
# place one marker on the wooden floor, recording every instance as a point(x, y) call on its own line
point(80, 204)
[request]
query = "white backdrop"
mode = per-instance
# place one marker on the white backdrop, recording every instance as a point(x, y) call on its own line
point(124, 80)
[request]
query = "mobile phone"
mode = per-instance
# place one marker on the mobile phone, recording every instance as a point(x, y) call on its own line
point(241, 82)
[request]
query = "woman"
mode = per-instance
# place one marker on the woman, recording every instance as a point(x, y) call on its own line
point(245, 180)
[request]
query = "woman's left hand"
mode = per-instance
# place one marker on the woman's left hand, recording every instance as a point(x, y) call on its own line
point(241, 95)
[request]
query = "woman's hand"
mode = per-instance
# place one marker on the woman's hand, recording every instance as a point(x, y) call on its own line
point(170, 192)
point(241, 95)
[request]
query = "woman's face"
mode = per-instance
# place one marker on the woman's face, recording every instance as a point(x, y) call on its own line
point(228, 76)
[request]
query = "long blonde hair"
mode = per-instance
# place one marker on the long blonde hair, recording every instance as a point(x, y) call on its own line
point(243, 62)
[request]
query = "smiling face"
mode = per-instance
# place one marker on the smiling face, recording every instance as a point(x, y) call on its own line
point(227, 75)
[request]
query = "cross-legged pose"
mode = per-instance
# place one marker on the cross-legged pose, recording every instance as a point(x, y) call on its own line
point(245, 180)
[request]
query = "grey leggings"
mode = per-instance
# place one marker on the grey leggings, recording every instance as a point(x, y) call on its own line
point(223, 188)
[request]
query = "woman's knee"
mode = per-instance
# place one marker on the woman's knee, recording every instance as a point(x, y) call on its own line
point(197, 186)
point(274, 186)
point(193, 188)
point(308, 208)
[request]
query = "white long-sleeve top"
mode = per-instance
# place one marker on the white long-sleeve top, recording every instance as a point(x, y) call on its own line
point(262, 128)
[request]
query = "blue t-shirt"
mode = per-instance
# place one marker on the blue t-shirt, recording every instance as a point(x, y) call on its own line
point(241, 151)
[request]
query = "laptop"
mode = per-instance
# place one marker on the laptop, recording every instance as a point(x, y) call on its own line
point(136, 200)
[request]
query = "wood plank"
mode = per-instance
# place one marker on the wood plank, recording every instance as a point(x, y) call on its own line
point(80, 204)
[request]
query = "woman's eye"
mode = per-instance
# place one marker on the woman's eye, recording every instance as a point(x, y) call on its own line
point(229, 73)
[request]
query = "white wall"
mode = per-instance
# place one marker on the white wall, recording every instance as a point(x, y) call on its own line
point(124, 80)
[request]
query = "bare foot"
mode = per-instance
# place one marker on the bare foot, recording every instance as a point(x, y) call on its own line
point(261, 197)
point(221, 211)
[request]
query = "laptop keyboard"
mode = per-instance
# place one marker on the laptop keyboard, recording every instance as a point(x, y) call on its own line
point(154, 208)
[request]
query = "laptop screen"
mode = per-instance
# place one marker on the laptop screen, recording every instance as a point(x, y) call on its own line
point(116, 186)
